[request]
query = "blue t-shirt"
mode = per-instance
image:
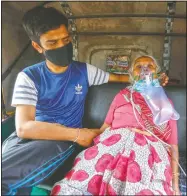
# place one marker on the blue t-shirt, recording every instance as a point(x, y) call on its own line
point(59, 98)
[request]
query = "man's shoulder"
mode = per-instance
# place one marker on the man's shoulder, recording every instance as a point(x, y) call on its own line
point(78, 64)
point(34, 71)
point(83, 66)
point(34, 67)
point(80, 67)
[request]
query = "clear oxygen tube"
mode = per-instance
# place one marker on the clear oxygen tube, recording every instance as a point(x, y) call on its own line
point(148, 79)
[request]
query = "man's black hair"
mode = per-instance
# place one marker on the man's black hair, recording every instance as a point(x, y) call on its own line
point(39, 20)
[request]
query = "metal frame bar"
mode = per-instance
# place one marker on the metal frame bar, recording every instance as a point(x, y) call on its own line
point(180, 16)
point(6, 73)
point(132, 34)
point(73, 28)
point(171, 8)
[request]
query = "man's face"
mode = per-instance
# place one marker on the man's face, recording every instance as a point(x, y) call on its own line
point(53, 39)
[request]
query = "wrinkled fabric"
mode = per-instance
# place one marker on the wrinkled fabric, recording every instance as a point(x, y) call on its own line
point(61, 97)
point(121, 162)
point(120, 114)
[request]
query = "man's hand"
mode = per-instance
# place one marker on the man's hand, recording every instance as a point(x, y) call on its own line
point(163, 79)
point(86, 137)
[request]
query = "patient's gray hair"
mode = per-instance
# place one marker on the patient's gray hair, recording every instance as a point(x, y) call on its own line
point(158, 69)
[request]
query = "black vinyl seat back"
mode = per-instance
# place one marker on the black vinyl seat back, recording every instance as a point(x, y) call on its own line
point(100, 97)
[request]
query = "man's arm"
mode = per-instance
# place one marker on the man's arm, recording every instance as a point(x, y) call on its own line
point(27, 127)
point(125, 78)
point(97, 76)
point(119, 78)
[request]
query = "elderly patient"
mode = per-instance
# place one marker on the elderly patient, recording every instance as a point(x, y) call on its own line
point(126, 159)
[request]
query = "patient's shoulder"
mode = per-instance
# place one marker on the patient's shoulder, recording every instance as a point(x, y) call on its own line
point(125, 92)
point(121, 98)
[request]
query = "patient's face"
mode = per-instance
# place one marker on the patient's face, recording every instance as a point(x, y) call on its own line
point(143, 62)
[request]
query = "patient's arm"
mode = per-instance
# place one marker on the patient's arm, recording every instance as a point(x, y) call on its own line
point(173, 141)
point(175, 171)
point(104, 126)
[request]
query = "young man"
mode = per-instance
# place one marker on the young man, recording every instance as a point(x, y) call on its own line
point(49, 98)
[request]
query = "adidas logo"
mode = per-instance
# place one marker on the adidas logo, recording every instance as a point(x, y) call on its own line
point(78, 89)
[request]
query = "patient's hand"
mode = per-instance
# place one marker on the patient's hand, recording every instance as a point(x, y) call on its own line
point(163, 79)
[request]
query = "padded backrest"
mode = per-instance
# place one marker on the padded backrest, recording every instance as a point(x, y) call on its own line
point(100, 97)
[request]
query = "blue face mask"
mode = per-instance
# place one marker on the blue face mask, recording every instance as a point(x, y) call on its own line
point(141, 85)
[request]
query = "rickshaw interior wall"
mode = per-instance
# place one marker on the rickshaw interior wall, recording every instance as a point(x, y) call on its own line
point(95, 48)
